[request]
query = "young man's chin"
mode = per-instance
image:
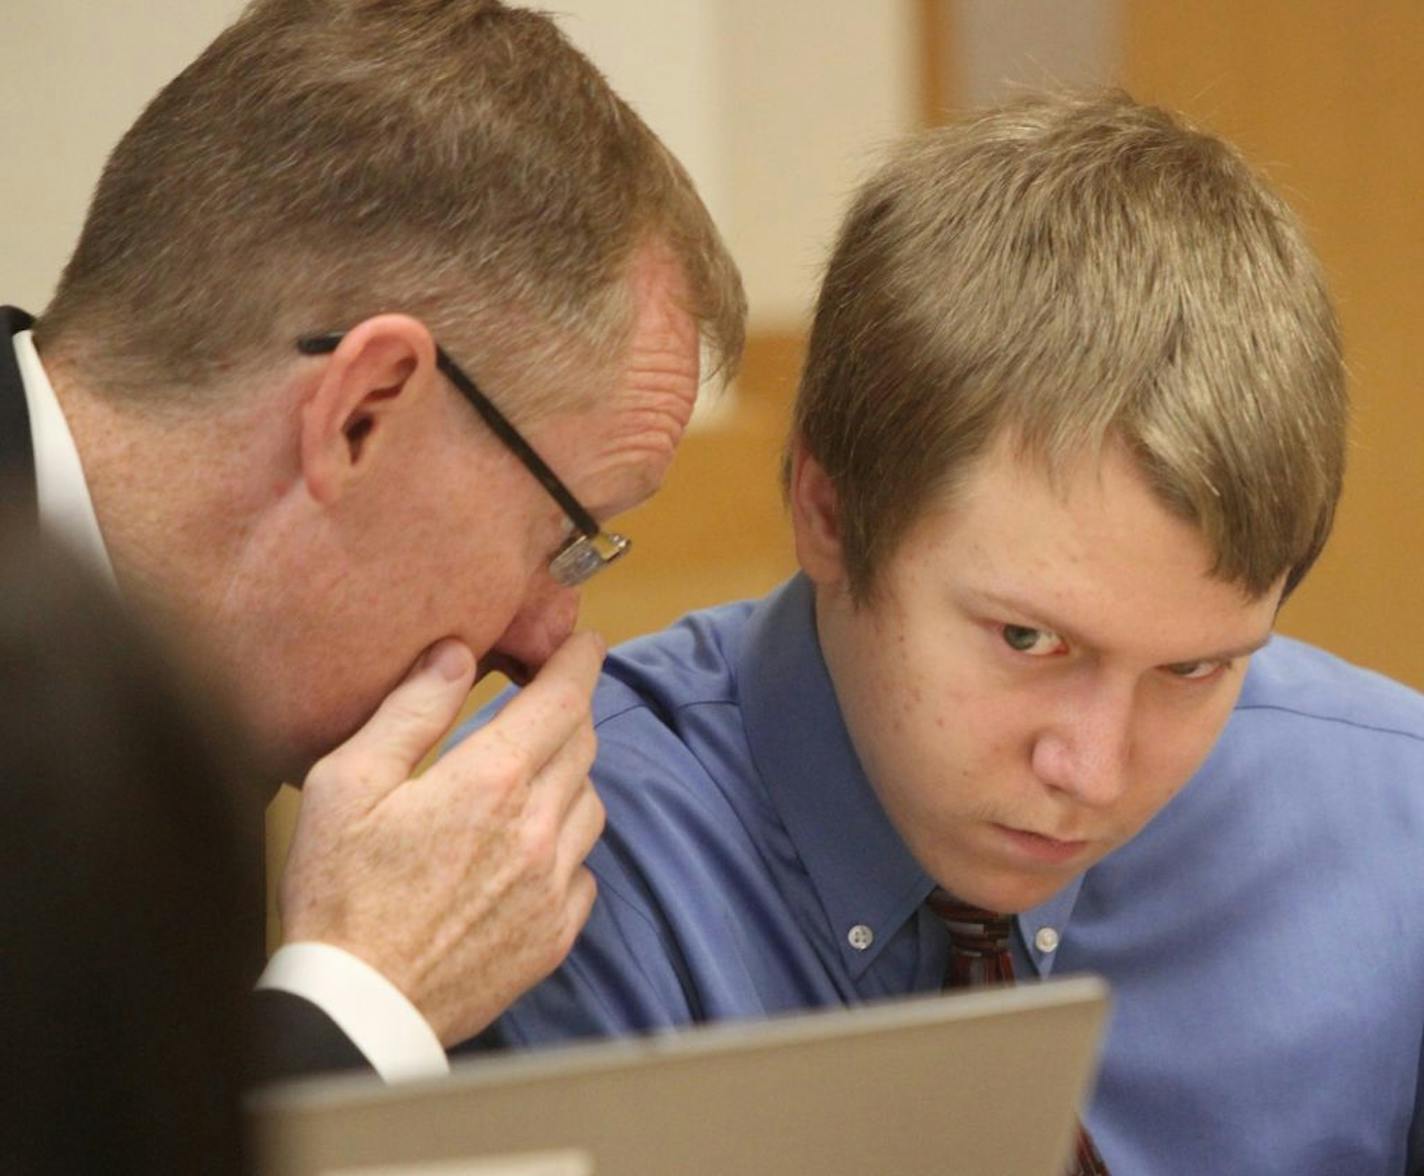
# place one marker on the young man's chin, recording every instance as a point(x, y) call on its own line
point(1009, 892)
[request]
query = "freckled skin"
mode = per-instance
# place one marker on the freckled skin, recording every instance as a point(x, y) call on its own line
point(963, 735)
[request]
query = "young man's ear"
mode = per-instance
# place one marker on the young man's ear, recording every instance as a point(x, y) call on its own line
point(382, 370)
point(815, 518)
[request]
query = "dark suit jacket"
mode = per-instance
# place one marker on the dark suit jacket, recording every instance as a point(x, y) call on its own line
point(294, 1036)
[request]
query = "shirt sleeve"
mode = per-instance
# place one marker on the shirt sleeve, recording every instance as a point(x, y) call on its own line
point(663, 946)
point(622, 977)
point(368, 1008)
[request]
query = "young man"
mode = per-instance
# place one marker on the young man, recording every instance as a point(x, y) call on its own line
point(263, 401)
point(1072, 425)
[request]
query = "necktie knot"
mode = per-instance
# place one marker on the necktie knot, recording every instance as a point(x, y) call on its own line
point(978, 940)
point(972, 929)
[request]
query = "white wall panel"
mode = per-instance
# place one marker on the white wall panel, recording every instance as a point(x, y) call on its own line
point(815, 87)
point(73, 75)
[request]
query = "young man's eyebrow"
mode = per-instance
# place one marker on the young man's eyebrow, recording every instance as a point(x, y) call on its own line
point(1239, 651)
point(1024, 608)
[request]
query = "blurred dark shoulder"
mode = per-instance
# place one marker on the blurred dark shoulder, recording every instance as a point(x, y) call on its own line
point(131, 866)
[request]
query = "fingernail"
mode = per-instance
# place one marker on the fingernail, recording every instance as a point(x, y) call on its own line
point(450, 659)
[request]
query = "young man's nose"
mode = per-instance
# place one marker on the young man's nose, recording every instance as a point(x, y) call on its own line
point(1086, 750)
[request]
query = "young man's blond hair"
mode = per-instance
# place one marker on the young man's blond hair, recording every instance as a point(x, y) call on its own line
point(1073, 270)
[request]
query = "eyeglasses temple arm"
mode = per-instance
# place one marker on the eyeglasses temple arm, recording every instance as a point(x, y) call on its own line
point(496, 420)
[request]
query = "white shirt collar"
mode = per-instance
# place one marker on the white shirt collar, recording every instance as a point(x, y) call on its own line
point(66, 510)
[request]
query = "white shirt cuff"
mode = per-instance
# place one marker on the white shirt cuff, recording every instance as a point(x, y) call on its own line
point(368, 1008)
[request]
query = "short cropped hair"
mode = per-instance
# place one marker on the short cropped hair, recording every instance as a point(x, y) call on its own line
point(1070, 271)
point(326, 160)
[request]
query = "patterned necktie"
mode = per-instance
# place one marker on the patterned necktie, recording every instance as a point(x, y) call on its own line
point(979, 954)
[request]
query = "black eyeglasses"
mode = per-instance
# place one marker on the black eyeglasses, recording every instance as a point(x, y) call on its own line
point(586, 553)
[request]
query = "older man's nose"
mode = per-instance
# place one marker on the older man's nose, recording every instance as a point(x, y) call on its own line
point(539, 628)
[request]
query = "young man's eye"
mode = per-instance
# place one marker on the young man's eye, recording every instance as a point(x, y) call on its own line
point(1195, 671)
point(1033, 642)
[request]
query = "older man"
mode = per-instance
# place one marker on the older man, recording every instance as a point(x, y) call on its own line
point(380, 312)
point(1072, 424)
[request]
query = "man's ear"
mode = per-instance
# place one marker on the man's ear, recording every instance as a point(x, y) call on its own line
point(815, 518)
point(380, 373)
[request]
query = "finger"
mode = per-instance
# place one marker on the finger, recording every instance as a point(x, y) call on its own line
point(539, 720)
point(546, 798)
point(583, 890)
point(412, 718)
point(565, 776)
point(582, 828)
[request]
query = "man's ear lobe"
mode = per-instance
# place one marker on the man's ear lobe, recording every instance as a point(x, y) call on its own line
point(815, 518)
point(382, 369)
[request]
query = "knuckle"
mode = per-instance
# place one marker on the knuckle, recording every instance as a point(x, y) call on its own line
point(588, 814)
point(539, 845)
point(583, 890)
point(598, 818)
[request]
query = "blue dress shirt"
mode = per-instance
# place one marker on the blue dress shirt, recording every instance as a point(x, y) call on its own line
point(1264, 935)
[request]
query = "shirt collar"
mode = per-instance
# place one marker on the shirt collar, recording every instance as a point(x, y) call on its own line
point(860, 867)
point(862, 871)
point(66, 509)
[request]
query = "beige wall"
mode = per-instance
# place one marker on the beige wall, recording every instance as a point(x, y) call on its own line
point(814, 87)
point(998, 47)
point(73, 75)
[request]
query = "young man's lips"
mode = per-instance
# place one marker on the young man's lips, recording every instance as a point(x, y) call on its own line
point(1041, 848)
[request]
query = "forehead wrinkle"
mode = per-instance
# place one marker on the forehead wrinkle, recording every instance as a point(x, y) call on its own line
point(657, 380)
point(659, 387)
point(647, 423)
point(650, 433)
point(617, 458)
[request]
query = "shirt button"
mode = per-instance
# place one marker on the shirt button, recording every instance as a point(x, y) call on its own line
point(860, 937)
point(1046, 939)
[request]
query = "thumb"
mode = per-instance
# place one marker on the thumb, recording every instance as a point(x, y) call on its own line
point(383, 753)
